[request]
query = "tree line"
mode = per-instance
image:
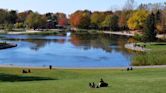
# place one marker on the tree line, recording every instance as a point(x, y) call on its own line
point(126, 19)
point(29, 19)
point(129, 18)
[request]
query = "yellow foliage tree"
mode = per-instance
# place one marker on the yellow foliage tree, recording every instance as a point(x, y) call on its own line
point(136, 21)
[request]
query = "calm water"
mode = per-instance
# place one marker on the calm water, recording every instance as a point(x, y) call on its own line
point(66, 51)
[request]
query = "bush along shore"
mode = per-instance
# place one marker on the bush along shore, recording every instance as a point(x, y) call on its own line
point(5, 45)
point(155, 56)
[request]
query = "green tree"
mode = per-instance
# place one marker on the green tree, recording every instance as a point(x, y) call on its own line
point(107, 22)
point(8, 27)
point(114, 23)
point(97, 18)
point(19, 25)
point(85, 20)
point(35, 20)
point(149, 28)
point(3, 17)
point(12, 17)
point(136, 21)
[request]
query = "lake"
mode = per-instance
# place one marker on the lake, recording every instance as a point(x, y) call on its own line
point(75, 51)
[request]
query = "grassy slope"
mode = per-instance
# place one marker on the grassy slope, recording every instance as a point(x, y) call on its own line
point(156, 56)
point(76, 81)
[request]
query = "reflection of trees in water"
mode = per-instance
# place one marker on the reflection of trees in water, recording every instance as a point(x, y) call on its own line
point(40, 43)
point(92, 41)
point(121, 41)
point(104, 41)
point(86, 41)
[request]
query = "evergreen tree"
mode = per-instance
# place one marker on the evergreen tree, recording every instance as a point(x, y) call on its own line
point(149, 28)
point(114, 23)
point(158, 17)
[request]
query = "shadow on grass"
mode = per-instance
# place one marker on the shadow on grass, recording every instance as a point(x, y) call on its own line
point(17, 78)
point(160, 44)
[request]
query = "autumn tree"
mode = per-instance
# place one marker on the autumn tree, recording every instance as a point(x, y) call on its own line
point(21, 17)
point(75, 19)
point(160, 21)
point(35, 20)
point(107, 22)
point(61, 19)
point(122, 22)
point(97, 18)
point(60, 15)
point(137, 20)
point(80, 19)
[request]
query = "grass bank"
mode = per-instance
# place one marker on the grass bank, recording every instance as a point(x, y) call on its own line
point(150, 80)
point(156, 56)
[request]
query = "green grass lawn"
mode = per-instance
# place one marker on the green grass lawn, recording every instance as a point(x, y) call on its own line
point(156, 56)
point(76, 81)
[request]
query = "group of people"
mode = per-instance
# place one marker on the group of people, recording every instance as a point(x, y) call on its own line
point(26, 71)
point(99, 85)
point(128, 69)
point(29, 71)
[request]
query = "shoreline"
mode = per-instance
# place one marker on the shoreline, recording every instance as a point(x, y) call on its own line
point(131, 46)
point(30, 31)
point(7, 45)
point(84, 68)
point(121, 33)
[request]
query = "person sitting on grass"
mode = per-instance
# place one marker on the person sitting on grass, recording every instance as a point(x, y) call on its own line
point(102, 83)
point(24, 71)
point(93, 85)
point(90, 85)
point(29, 71)
point(129, 68)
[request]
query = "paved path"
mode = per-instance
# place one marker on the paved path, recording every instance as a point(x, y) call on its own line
point(119, 33)
point(33, 31)
point(47, 67)
point(125, 33)
point(25, 32)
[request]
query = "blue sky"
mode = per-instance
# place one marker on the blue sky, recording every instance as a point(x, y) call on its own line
point(66, 6)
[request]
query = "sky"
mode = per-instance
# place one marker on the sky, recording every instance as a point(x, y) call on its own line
point(67, 6)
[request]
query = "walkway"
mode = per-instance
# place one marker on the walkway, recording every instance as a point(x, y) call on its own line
point(126, 33)
point(119, 33)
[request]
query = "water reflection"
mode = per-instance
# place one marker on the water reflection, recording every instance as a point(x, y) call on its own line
point(78, 50)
